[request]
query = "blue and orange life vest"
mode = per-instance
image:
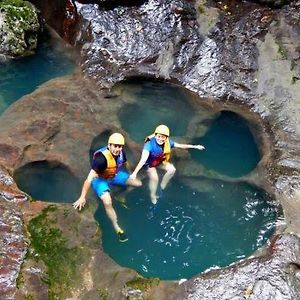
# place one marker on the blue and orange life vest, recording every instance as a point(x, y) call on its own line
point(112, 164)
point(163, 157)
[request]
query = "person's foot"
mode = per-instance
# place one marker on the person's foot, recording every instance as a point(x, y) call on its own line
point(154, 199)
point(160, 193)
point(122, 236)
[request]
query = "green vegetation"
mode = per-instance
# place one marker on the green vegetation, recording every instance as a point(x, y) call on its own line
point(282, 51)
point(19, 3)
point(18, 13)
point(103, 294)
point(295, 79)
point(201, 9)
point(142, 284)
point(20, 16)
point(293, 64)
point(66, 212)
point(49, 246)
point(20, 279)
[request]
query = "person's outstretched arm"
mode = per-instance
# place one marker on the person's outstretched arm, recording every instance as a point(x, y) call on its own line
point(144, 157)
point(187, 146)
point(85, 188)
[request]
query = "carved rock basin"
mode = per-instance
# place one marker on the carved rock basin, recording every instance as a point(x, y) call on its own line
point(246, 61)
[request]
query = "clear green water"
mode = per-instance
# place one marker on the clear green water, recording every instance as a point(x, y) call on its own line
point(231, 148)
point(48, 182)
point(199, 223)
point(189, 231)
point(23, 76)
point(158, 103)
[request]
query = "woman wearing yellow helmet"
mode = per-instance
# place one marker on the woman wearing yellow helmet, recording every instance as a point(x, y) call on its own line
point(107, 171)
point(156, 152)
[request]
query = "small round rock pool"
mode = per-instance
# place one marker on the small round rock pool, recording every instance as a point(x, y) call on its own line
point(209, 216)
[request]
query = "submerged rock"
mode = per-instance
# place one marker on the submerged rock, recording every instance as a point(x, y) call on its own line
point(19, 27)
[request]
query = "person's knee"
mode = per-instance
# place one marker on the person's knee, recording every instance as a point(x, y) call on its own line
point(134, 182)
point(171, 170)
point(106, 199)
point(138, 182)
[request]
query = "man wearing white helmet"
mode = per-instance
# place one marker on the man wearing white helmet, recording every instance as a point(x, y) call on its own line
point(156, 152)
point(108, 170)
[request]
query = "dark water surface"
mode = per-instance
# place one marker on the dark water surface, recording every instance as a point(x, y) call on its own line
point(231, 148)
point(47, 181)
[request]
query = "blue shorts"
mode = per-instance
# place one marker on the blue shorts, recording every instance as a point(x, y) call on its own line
point(101, 185)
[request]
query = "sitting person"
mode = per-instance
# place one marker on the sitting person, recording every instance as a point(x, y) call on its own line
point(156, 153)
point(108, 170)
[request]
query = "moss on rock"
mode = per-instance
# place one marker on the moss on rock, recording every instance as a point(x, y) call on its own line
point(142, 284)
point(19, 26)
point(50, 246)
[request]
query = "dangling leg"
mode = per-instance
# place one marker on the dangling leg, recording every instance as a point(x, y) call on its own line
point(101, 188)
point(106, 198)
point(153, 183)
point(170, 171)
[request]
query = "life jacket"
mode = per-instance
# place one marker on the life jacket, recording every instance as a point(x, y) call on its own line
point(163, 157)
point(112, 164)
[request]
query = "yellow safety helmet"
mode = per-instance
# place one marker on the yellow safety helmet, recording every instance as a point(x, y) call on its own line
point(117, 139)
point(162, 129)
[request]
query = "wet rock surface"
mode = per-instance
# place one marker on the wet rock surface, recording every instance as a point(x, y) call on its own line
point(12, 242)
point(272, 276)
point(59, 15)
point(76, 111)
point(274, 3)
point(240, 55)
point(13, 247)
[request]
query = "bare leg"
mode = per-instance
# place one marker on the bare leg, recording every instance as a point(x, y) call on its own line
point(153, 183)
point(134, 182)
point(106, 198)
point(170, 171)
